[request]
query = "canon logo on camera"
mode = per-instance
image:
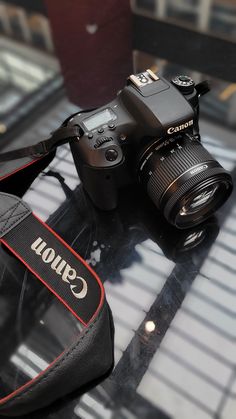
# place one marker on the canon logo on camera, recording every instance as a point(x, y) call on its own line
point(171, 130)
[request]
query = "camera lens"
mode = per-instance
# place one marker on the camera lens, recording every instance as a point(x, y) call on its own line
point(184, 180)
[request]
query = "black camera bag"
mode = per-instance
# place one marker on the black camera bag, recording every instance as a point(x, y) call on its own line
point(90, 355)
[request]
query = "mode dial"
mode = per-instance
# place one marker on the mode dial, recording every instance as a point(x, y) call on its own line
point(184, 83)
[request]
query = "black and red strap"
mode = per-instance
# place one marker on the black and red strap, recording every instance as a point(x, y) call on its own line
point(50, 259)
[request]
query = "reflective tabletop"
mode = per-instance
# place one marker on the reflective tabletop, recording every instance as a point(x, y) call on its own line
point(172, 292)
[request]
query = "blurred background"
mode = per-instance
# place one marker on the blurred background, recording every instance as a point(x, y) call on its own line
point(59, 57)
point(183, 36)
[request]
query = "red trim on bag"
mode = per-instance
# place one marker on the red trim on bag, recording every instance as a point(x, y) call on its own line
point(20, 168)
point(28, 384)
point(82, 261)
point(42, 280)
point(48, 286)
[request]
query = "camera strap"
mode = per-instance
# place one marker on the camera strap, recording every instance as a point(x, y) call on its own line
point(50, 259)
point(59, 137)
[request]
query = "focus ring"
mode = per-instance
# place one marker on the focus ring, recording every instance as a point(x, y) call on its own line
point(174, 166)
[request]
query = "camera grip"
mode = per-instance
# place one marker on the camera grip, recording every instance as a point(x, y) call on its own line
point(100, 186)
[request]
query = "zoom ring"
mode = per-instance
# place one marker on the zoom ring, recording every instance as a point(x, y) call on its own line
point(174, 166)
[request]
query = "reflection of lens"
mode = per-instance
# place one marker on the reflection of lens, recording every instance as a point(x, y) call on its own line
point(193, 240)
point(188, 243)
point(184, 180)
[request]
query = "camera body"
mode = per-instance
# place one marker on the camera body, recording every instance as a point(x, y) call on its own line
point(141, 136)
point(114, 135)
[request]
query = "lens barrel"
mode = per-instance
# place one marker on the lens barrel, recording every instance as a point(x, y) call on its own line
point(184, 180)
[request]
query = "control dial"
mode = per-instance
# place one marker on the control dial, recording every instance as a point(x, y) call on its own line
point(184, 83)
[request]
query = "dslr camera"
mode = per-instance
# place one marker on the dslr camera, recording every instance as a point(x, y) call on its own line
point(149, 135)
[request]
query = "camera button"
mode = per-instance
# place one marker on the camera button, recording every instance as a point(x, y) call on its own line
point(111, 126)
point(101, 140)
point(111, 154)
point(100, 130)
point(123, 137)
point(90, 136)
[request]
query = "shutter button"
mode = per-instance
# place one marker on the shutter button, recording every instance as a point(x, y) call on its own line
point(111, 154)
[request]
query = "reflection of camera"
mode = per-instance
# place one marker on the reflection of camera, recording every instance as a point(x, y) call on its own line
point(150, 134)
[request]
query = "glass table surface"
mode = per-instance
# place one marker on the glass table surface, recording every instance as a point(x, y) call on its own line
point(172, 292)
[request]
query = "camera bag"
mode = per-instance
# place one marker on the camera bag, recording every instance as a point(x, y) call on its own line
point(53, 265)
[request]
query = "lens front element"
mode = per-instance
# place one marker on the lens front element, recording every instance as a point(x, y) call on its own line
point(184, 180)
point(198, 202)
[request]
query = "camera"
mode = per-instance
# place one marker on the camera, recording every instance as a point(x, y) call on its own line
point(149, 135)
